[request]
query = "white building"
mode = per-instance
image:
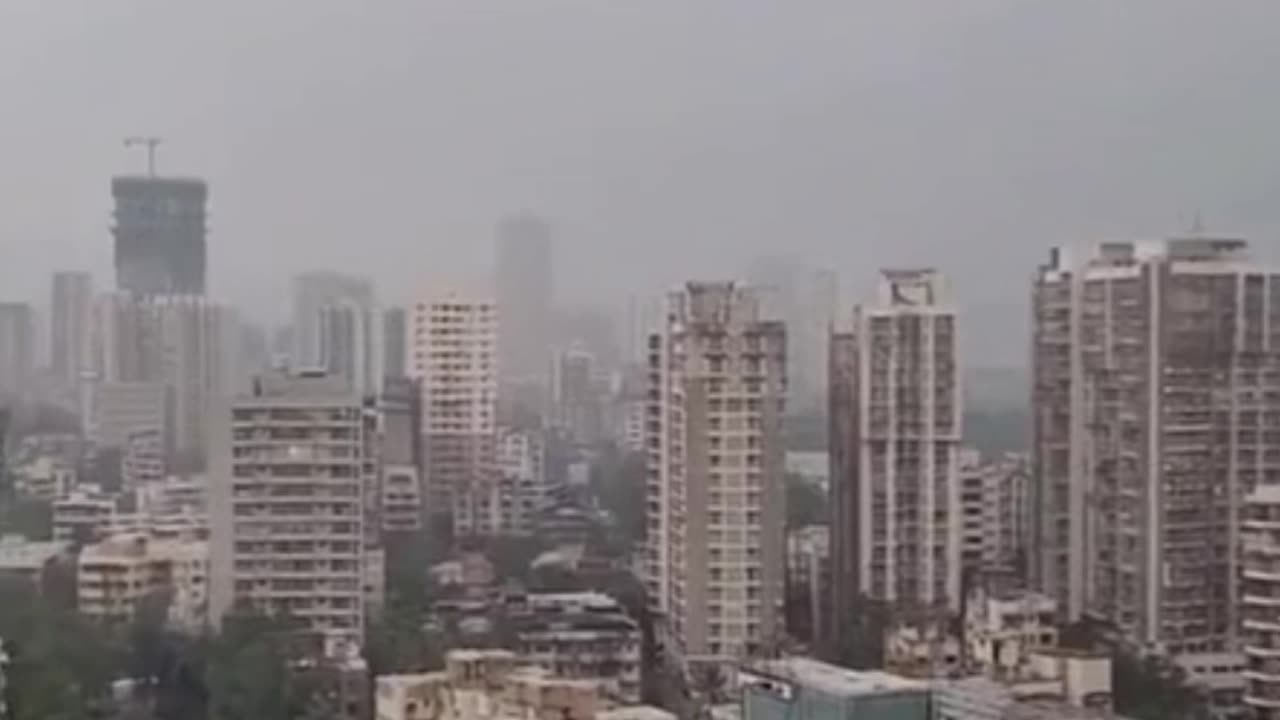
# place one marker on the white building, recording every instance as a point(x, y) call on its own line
point(453, 356)
point(510, 504)
point(83, 515)
point(1260, 601)
point(896, 431)
point(292, 470)
point(1004, 630)
point(715, 490)
point(1155, 374)
point(993, 509)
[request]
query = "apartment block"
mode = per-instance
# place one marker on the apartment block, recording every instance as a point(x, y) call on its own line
point(116, 575)
point(1156, 395)
point(453, 358)
point(715, 500)
point(509, 505)
point(993, 510)
point(895, 419)
point(292, 476)
point(808, 597)
point(1260, 601)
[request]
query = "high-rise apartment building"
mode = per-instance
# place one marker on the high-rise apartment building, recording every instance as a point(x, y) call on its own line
point(1260, 601)
point(1156, 392)
point(186, 343)
point(17, 348)
point(312, 293)
point(453, 358)
point(715, 492)
point(806, 299)
point(292, 468)
point(526, 291)
point(395, 325)
point(403, 502)
point(895, 421)
point(576, 396)
point(348, 347)
point(72, 312)
point(993, 511)
point(160, 235)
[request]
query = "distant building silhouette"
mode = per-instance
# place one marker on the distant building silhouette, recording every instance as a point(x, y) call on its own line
point(160, 235)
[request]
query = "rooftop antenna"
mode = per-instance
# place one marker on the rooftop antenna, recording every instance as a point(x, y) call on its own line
point(151, 142)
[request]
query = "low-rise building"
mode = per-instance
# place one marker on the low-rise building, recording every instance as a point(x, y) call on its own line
point(29, 561)
point(46, 478)
point(483, 685)
point(796, 687)
point(1056, 684)
point(1003, 630)
point(84, 515)
point(115, 575)
point(582, 635)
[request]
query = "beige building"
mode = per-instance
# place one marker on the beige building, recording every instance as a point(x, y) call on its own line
point(83, 515)
point(114, 576)
point(484, 685)
point(452, 354)
point(895, 448)
point(715, 496)
point(1155, 378)
point(293, 468)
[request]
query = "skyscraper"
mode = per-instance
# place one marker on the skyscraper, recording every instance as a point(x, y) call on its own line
point(160, 235)
point(715, 495)
point(17, 349)
point(186, 343)
point(526, 290)
point(72, 310)
point(312, 293)
point(293, 459)
point(895, 434)
point(806, 299)
point(1156, 395)
point(453, 359)
point(348, 348)
point(394, 336)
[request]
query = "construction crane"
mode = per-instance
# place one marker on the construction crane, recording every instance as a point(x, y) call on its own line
point(151, 143)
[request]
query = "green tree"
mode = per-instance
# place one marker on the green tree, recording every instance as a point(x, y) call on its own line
point(1152, 688)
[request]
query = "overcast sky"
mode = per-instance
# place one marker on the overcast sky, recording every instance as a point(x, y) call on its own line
point(666, 139)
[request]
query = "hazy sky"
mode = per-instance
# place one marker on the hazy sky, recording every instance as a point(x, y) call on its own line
point(666, 139)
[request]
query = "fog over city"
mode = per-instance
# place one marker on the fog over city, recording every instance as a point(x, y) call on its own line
point(665, 140)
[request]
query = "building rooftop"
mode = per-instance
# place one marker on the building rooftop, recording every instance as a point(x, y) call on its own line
point(835, 680)
point(19, 553)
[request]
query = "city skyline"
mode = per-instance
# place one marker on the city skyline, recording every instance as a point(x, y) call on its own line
point(689, 162)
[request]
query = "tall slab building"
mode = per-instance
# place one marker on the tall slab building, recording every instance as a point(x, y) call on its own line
point(1157, 402)
point(895, 419)
point(525, 284)
point(715, 497)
